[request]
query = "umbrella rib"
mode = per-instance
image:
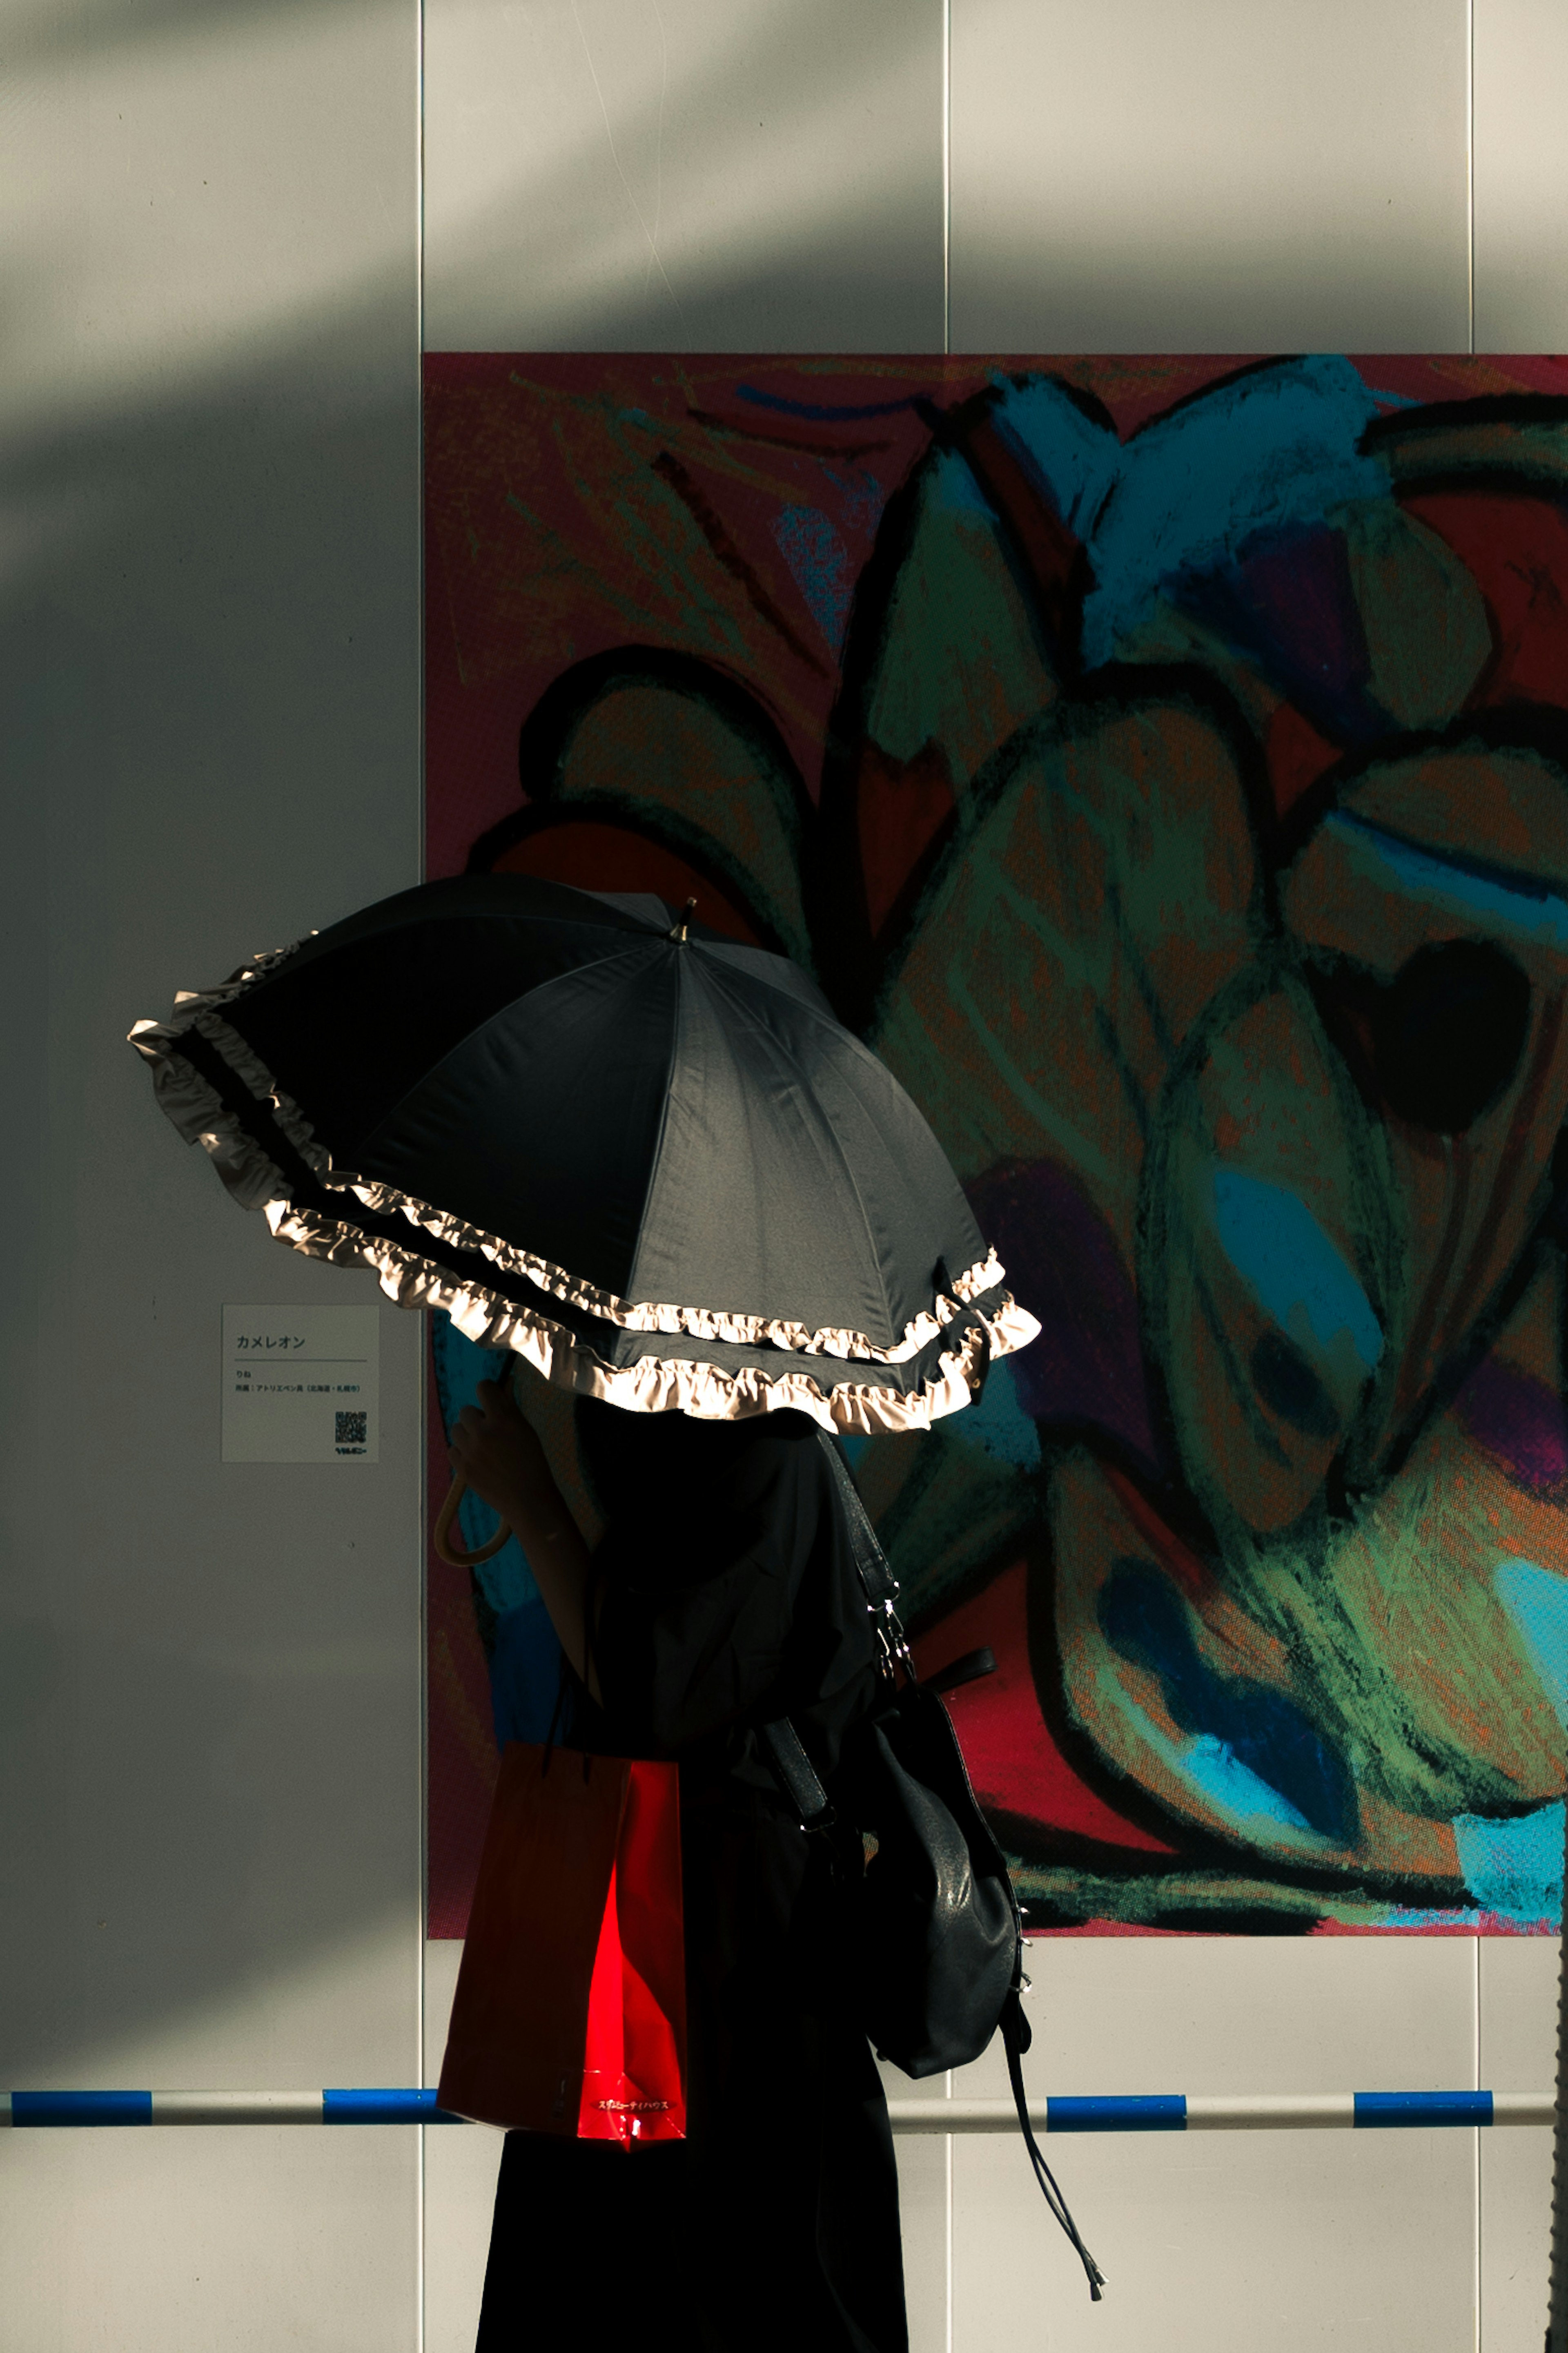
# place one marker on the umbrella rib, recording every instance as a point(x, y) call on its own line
point(534, 994)
point(788, 1054)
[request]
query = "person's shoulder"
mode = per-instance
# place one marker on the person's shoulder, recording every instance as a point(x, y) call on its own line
point(790, 1427)
point(790, 1439)
point(780, 1455)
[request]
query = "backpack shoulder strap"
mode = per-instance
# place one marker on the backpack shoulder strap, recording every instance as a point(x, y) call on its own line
point(795, 1774)
point(876, 1577)
point(792, 1767)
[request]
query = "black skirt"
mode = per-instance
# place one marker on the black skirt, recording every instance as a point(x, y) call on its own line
point(780, 2237)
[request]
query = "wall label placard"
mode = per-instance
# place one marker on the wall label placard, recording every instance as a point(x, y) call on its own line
point(301, 1384)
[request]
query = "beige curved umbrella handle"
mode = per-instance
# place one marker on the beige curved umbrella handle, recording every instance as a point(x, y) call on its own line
point(451, 1552)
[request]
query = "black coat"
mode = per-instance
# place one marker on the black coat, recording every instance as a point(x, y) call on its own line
point(727, 1596)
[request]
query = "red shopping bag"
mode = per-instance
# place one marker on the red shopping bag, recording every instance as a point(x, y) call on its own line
point(569, 2013)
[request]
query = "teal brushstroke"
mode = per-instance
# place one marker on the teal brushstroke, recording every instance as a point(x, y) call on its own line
point(1418, 1916)
point(525, 1674)
point(952, 489)
point(1530, 909)
point(820, 566)
point(507, 1581)
point(1514, 1868)
point(862, 494)
point(999, 1424)
point(1274, 451)
point(1079, 462)
point(1281, 1251)
point(1537, 1601)
point(1213, 1765)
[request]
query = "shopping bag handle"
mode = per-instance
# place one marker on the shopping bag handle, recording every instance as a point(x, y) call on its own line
point(448, 1548)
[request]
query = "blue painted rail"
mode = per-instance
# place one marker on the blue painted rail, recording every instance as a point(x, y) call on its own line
point(1057, 2113)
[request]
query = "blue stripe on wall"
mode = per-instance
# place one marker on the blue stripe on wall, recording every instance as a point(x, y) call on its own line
point(1382, 2109)
point(385, 2107)
point(1147, 2112)
point(81, 2108)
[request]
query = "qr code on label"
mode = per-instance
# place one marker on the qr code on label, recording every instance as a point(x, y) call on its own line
point(351, 1429)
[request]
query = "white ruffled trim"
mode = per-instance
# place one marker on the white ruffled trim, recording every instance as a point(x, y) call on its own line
point(196, 1010)
point(657, 1385)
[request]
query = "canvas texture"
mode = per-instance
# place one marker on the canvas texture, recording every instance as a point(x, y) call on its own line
point(1162, 764)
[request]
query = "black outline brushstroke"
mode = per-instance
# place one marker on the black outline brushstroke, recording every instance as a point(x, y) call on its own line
point(679, 479)
point(858, 970)
point(689, 843)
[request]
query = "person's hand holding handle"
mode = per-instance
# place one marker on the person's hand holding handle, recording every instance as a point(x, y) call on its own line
point(447, 1549)
point(497, 1453)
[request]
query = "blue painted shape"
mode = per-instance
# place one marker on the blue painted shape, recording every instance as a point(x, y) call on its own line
point(1537, 1601)
point(824, 411)
point(1134, 2112)
point(525, 1674)
point(1514, 1867)
point(1272, 452)
point(1216, 1769)
point(81, 2108)
point(998, 1423)
point(819, 565)
point(1523, 903)
point(1259, 1751)
point(862, 494)
point(952, 487)
point(1452, 1918)
point(1383, 2111)
point(385, 2107)
point(1282, 1253)
point(507, 1581)
point(1288, 606)
point(1075, 462)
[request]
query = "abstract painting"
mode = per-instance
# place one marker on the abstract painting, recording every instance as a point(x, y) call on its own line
point(1164, 764)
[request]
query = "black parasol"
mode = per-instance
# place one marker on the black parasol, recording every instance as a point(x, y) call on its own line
point(644, 1157)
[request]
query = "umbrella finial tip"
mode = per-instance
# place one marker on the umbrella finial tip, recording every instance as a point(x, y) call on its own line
point(678, 934)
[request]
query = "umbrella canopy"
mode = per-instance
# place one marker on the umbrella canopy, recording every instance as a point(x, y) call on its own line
point(642, 1155)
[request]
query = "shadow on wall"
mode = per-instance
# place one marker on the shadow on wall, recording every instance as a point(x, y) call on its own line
point(209, 634)
point(209, 1735)
point(610, 177)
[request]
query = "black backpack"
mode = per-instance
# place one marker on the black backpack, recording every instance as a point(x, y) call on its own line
point(938, 1940)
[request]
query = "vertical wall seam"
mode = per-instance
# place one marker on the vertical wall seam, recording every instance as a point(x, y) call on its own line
point(947, 2206)
point(1475, 2137)
point(422, 1553)
point(419, 401)
point(946, 179)
point(1470, 165)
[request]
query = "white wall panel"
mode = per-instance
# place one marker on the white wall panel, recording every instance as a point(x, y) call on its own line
point(669, 176)
point(1292, 2239)
point(1518, 2043)
point(209, 1674)
point(1131, 176)
point(925, 2216)
point(1522, 176)
point(461, 2162)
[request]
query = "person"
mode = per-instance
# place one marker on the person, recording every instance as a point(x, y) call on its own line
point(721, 1596)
